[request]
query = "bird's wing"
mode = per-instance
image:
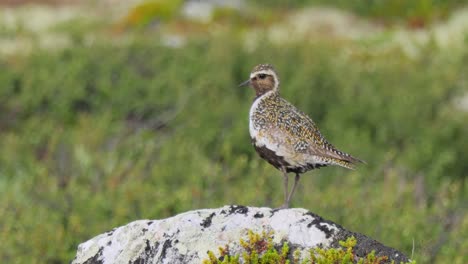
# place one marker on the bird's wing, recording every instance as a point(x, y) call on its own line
point(305, 136)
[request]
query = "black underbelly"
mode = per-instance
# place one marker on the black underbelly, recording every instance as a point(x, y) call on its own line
point(279, 162)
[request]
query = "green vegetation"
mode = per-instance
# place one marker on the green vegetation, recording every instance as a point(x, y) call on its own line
point(93, 137)
point(260, 249)
point(415, 13)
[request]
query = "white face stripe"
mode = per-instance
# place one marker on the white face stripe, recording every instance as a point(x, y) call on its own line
point(268, 72)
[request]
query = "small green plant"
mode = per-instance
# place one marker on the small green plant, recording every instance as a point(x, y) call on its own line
point(259, 248)
point(344, 255)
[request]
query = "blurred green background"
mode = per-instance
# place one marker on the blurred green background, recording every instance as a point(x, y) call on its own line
point(111, 113)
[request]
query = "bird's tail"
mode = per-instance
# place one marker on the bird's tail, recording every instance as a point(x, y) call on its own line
point(348, 161)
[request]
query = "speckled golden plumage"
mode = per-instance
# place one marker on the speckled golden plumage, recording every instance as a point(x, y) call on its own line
point(297, 130)
point(285, 136)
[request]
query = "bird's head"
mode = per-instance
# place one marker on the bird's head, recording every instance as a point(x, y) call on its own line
point(263, 79)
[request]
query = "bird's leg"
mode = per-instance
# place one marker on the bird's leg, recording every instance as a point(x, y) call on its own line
point(296, 181)
point(286, 185)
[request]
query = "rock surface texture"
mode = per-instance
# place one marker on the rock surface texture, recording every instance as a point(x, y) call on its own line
point(186, 238)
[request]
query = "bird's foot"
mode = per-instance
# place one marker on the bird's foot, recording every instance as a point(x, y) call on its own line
point(283, 206)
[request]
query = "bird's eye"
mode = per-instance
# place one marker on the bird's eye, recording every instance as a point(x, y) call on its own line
point(262, 76)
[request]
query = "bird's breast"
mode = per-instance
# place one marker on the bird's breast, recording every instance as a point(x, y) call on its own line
point(258, 115)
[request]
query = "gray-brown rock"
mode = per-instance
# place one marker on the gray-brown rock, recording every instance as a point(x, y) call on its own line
point(186, 238)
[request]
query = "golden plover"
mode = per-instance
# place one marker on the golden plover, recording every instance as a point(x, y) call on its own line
point(284, 136)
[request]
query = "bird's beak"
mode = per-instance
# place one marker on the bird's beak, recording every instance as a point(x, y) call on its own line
point(245, 83)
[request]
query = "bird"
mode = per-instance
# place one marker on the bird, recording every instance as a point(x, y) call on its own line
point(285, 136)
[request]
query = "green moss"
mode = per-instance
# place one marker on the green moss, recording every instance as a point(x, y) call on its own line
point(259, 248)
